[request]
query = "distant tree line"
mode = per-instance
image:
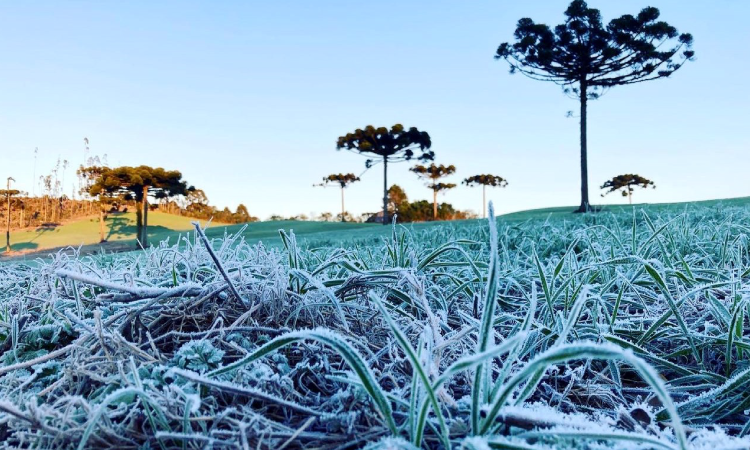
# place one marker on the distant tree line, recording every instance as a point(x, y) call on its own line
point(421, 210)
point(195, 204)
point(35, 212)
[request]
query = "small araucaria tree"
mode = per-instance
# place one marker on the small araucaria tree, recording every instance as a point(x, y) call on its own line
point(586, 58)
point(432, 174)
point(137, 183)
point(343, 180)
point(387, 146)
point(6, 194)
point(484, 181)
point(625, 184)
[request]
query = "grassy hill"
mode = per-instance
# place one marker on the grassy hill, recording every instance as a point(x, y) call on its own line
point(27, 244)
point(121, 230)
point(562, 211)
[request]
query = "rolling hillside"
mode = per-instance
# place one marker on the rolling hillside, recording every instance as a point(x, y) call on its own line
point(29, 244)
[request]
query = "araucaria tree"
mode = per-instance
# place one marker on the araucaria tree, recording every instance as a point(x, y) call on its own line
point(586, 58)
point(7, 194)
point(388, 146)
point(626, 184)
point(432, 174)
point(343, 180)
point(137, 183)
point(484, 181)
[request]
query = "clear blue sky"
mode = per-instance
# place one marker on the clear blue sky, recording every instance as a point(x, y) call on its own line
point(247, 99)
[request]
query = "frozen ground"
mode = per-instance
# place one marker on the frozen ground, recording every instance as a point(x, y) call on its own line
point(623, 330)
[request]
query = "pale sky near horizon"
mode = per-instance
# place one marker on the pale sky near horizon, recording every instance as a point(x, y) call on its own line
point(247, 99)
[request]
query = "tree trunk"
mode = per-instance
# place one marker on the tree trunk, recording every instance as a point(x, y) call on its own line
point(385, 190)
point(585, 206)
point(144, 239)
point(630, 198)
point(343, 210)
point(7, 229)
point(484, 201)
point(101, 224)
point(434, 204)
point(138, 222)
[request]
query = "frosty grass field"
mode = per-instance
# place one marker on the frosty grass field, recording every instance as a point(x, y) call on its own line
point(623, 330)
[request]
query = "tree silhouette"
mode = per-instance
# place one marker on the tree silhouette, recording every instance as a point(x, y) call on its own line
point(137, 183)
point(387, 146)
point(484, 181)
point(586, 58)
point(626, 183)
point(343, 180)
point(432, 174)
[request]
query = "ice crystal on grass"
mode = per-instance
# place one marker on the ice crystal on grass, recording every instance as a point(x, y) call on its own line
point(200, 356)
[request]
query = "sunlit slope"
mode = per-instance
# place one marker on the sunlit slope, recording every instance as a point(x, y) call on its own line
point(121, 228)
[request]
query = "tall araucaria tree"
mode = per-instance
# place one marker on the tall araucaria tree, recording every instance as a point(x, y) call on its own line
point(586, 57)
point(343, 180)
point(626, 184)
point(137, 183)
point(432, 174)
point(388, 146)
point(484, 181)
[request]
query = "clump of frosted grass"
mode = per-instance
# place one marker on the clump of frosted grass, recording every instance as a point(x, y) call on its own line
point(607, 331)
